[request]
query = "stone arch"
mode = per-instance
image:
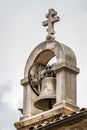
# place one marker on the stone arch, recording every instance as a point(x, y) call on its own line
point(44, 56)
point(46, 50)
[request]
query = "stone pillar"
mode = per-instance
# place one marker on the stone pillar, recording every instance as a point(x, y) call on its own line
point(26, 97)
point(66, 87)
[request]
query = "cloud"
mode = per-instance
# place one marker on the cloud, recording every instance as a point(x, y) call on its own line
point(7, 115)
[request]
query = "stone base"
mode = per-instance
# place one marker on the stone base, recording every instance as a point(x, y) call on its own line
point(66, 108)
point(59, 110)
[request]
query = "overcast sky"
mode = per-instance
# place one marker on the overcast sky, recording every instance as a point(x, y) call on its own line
point(21, 31)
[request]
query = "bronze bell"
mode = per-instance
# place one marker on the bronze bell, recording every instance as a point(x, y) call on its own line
point(47, 95)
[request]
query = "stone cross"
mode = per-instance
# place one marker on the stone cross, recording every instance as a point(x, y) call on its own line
point(50, 23)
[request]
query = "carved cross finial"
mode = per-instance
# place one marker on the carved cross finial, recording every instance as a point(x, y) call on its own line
point(50, 23)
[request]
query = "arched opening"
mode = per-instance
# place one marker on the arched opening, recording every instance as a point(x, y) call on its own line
point(41, 63)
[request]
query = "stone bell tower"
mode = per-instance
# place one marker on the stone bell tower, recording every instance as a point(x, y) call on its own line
point(48, 90)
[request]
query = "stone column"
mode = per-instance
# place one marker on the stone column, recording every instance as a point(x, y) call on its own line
point(26, 97)
point(66, 87)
